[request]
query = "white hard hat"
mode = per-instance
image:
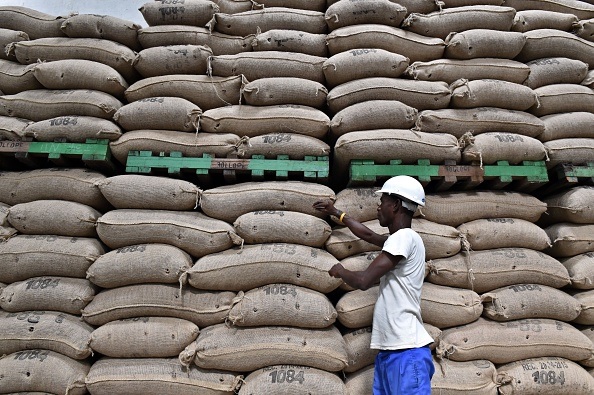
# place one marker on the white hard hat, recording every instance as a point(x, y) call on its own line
point(406, 187)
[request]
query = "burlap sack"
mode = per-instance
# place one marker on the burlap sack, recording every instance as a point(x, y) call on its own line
point(359, 203)
point(363, 63)
point(571, 205)
point(41, 371)
point(204, 91)
point(522, 301)
point(581, 9)
point(560, 98)
point(472, 377)
point(456, 19)
point(246, 120)
point(193, 232)
point(296, 146)
point(588, 363)
point(548, 43)
point(221, 202)
point(77, 185)
point(284, 40)
point(107, 27)
point(504, 342)
point(527, 20)
point(550, 71)
point(36, 24)
point(484, 43)
point(589, 80)
point(54, 217)
point(545, 375)
point(140, 264)
point(313, 5)
point(284, 305)
point(581, 270)
point(12, 128)
point(585, 29)
point(445, 307)
point(450, 70)
point(289, 379)
point(68, 295)
point(413, 46)
point(342, 243)
point(489, 148)
point(48, 330)
point(567, 125)
point(160, 113)
point(203, 308)
point(144, 337)
point(4, 209)
point(361, 381)
point(188, 12)
point(285, 90)
point(219, 43)
point(75, 129)
point(8, 36)
point(355, 308)
point(422, 95)
point(379, 12)
point(219, 346)
point(173, 59)
point(189, 144)
point(483, 271)
point(255, 266)
point(577, 151)
point(279, 226)
point(585, 300)
point(358, 352)
point(357, 262)
point(490, 233)
point(80, 74)
point(153, 376)
point(491, 93)
point(373, 114)
point(570, 239)
point(15, 78)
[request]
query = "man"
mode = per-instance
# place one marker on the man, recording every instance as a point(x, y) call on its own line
point(403, 364)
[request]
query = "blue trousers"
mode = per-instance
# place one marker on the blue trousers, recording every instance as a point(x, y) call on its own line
point(403, 372)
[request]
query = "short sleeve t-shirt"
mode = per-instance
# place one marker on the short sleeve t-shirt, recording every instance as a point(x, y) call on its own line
point(397, 322)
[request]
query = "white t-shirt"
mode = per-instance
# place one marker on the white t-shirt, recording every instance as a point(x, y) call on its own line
point(397, 321)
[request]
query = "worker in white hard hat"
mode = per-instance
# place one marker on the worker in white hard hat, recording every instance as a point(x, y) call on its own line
point(403, 364)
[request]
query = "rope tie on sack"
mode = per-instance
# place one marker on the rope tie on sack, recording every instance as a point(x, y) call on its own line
point(198, 120)
point(537, 100)
point(440, 4)
point(235, 301)
point(182, 279)
point(187, 355)
point(198, 195)
point(245, 140)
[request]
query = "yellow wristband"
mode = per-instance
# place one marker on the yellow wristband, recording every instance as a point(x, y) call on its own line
point(341, 216)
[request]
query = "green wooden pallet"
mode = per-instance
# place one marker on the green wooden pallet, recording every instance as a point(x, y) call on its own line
point(566, 175)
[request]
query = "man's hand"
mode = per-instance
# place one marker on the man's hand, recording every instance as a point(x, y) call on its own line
point(327, 207)
point(335, 270)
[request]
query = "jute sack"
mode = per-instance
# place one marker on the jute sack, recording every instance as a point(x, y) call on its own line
point(484, 43)
point(159, 113)
point(12, 128)
point(75, 129)
point(585, 300)
point(489, 233)
point(4, 208)
point(203, 308)
point(581, 270)
point(140, 264)
point(187, 12)
point(291, 41)
point(285, 90)
point(357, 262)
point(589, 80)
point(15, 77)
point(68, 295)
point(576, 151)
point(149, 192)
point(107, 27)
point(278, 226)
point(363, 63)
point(153, 376)
point(222, 202)
point(246, 120)
point(355, 308)
point(110, 53)
point(473, 377)
point(545, 375)
point(296, 146)
point(144, 337)
point(570, 239)
point(567, 125)
point(521, 301)
point(581, 9)
point(255, 266)
point(559, 98)
point(193, 232)
point(48, 330)
point(450, 70)
point(489, 148)
point(413, 46)
point(36, 371)
point(359, 203)
point(527, 20)
point(357, 347)
point(282, 304)
point(585, 29)
point(548, 43)
point(204, 91)
point(42, 104)
point(422, 95)
point(445, 307)
point(8, 36)
point(550, 71)
point(456, 19)
point(36, 24)
point(80, 74)
point(588, 363)
point(491, 93)
point(573, 205)
point(54, 217)
point(219, 346)
point(361, 381)
point(373, 114)
point(315, 5)
point(189, 144)
point(379, 12)
point(286, 379)
point(219, 43)
point(172, 59)
point(248, 22)
point(504, 342)
point(77, 185)
point(23, 257)
point(486, 270)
